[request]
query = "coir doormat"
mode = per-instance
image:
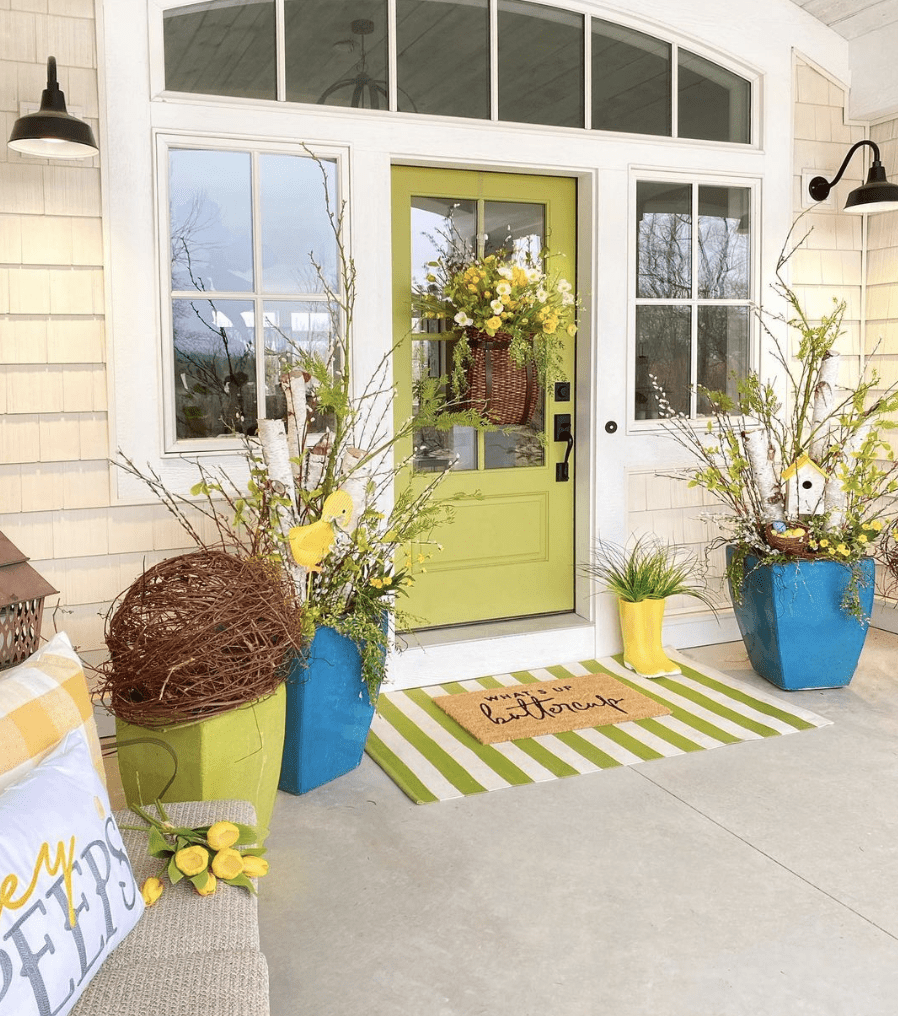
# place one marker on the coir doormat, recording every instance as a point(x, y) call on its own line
point(530, 710)
point(433, 758)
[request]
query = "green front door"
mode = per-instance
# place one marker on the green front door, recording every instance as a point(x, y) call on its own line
point(509, 553)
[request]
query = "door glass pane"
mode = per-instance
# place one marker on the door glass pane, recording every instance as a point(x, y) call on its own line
point(663, 350)
point(215, 367)
point(336, 52)
point(714, 103)
point(291, 327)
point(723, 243)
point(540, 64)
point(435, 450)
point(515, 446)
point(439, 226)
point(442, 55)
point(722, 349)
point(211, 221)
point(663, 240)
point(221, 48)
point(295, 223)
point(516, 227)
point(630, 81)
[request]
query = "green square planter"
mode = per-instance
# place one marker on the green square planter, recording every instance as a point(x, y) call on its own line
point(236, 755)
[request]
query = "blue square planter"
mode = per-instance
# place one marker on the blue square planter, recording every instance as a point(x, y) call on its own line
point(328, 713)
point(795, 632)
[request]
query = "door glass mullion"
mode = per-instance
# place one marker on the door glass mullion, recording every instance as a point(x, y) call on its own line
point(480, 239)
point(693, 337)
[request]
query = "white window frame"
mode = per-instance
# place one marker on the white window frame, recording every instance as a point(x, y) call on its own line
point(165, 142)
point(580, 7)
point(694, 180)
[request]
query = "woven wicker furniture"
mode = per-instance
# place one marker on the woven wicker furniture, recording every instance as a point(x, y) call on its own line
point(188, 954)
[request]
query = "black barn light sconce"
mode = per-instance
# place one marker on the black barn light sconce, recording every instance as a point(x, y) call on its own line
point(876, 195)
point(52, 132)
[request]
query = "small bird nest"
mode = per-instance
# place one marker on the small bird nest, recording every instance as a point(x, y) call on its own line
point(197, 635)
point(793, 541)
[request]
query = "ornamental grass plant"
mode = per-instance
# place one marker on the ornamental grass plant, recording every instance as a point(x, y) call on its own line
point(648, 570)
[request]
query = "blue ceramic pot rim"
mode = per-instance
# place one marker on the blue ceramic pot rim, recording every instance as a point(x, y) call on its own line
point(783, 570)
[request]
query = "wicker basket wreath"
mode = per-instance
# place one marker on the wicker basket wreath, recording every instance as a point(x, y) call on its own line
point(497, 388)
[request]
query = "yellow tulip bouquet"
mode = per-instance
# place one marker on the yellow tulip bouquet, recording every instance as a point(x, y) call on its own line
point(206, 855)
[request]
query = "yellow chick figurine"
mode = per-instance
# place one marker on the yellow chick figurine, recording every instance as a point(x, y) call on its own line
point(310, 544)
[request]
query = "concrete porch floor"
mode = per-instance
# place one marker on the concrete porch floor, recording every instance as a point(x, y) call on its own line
point(758, 878)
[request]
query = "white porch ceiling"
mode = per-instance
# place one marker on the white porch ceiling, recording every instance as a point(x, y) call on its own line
point(852, 18)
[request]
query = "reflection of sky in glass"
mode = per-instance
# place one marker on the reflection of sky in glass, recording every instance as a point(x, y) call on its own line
point(212, 230)
point(211, 220)
point(515, 227)
point(294, 224)
point(434, 222)
point(663, 240)
point(294, 326)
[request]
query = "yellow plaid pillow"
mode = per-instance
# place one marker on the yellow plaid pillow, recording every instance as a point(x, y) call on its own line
point(41, 700)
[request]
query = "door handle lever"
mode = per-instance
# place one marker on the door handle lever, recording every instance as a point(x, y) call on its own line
point(562, 432)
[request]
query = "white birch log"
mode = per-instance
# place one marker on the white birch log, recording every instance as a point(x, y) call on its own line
point(294, 384)
point(824, 401)
point(760, 454)
point(275, 452)
point(355, 483)
point(316, 462)
point(835, 496)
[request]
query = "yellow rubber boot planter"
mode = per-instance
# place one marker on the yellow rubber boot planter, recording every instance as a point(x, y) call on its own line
point(640, 625)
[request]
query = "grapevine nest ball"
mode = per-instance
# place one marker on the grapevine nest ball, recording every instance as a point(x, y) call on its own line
point(197, 635)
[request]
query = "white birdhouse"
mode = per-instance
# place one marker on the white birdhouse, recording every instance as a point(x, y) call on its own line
point(806, 483)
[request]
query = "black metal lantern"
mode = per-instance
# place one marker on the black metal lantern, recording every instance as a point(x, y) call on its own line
point(22, 593)
point(52, 132)
point(876, 195)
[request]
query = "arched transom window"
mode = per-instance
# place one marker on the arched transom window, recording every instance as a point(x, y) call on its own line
point(505, 60)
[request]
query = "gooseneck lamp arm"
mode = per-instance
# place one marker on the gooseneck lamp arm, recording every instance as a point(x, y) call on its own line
point(819, 188)
point(876, 195)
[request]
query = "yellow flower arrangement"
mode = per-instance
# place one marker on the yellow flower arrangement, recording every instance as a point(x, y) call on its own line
point(205, 855)
point(495, 295)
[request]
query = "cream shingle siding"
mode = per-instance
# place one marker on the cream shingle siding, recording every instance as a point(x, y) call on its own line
point(54, 428)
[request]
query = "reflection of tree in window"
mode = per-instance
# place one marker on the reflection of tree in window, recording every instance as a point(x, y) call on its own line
point(684, 336)
point(215, 367)
point(229, 308)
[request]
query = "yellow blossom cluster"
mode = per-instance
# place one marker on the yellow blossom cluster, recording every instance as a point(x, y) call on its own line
point(491, 294)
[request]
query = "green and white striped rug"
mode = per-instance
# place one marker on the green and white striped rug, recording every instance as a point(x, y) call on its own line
point(433, 758)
